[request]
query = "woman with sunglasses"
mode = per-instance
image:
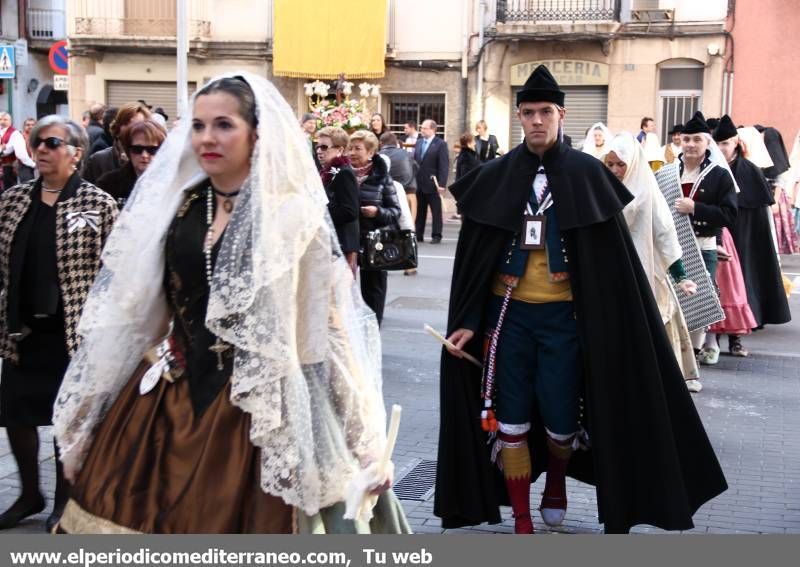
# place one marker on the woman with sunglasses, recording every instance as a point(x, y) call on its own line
point(140, 142)
point(341, 186)
point(260, 403)
point(52, 231)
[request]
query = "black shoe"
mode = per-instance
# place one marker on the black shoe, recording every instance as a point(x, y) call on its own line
point(16, 514)
point(436, 240)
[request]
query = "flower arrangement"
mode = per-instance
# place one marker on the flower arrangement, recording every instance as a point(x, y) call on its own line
point(349, 114)
point(344, 112)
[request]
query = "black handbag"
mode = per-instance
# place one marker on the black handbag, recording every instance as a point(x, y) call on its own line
point(388, 248)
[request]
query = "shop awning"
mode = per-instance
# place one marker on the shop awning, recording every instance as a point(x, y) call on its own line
point(320, 40)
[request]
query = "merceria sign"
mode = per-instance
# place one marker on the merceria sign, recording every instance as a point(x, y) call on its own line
point(566, 71)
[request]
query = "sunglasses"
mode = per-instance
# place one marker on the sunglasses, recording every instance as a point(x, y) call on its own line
point(50, 143)
point(139, 150)
point(325, 148)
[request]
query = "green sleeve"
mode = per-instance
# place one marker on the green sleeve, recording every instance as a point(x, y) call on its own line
point(677, 271)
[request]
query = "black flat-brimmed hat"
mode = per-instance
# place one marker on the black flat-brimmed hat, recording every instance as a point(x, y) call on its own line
point(725, 130)
point(541, 87)
point(697, 125)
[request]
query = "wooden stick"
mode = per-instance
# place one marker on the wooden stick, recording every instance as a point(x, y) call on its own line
point(448, 344)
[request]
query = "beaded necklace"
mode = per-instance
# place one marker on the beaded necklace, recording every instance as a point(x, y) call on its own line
point(218, 347)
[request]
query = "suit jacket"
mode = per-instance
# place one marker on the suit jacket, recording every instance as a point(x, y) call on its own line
point(435, 162)
point(79, 244)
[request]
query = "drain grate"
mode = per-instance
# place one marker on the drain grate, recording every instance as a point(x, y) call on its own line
point(419, 483)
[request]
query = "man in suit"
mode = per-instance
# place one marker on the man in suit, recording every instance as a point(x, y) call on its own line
point(433, 159)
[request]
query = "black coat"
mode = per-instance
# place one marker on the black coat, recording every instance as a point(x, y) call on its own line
point(715, 205)
point(402, 167)
point(119, 183)
point(99, 163)
point(486, 149)
point(651, 460)
point(466, 161)
point(343, 206)
point(435, 162)
point(378, 190)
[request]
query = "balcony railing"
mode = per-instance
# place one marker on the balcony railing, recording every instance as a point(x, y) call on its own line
point(535, 11)
point(141, 18)
point(46, 25)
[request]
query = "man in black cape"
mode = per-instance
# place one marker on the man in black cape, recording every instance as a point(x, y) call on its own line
point(752, 234)
point(649, 456)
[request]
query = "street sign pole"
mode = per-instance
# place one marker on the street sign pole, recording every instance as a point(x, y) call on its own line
point(182, 58)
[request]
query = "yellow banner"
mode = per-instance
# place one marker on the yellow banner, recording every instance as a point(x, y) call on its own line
point(316, 39)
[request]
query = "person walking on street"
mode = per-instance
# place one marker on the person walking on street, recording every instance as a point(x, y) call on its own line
point(52, 232)
point(433, 160)
point(13, 151)
point(547, 277)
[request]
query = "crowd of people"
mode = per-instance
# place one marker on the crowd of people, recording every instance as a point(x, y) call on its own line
point(177, 293)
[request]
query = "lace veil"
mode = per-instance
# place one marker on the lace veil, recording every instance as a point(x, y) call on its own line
point(307, 366)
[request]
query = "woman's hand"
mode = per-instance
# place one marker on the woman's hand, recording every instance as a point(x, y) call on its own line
point(459, 338)
point(688, 287)
point(370, 211)
point(684, 206)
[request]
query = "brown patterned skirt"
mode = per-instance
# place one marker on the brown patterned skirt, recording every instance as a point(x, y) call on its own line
point(154, 467)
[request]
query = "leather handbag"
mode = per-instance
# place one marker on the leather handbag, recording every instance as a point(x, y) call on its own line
point(388, 248)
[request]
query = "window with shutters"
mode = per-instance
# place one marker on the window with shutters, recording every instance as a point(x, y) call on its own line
point(154, 93)
point(680, 93)
point(400, 108)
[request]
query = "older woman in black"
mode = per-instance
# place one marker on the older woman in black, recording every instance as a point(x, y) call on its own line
point(341, 188)
point(51, 234)
point(379, 208)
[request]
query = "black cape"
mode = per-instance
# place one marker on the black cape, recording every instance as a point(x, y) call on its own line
point(752, 236)
point(651, 462)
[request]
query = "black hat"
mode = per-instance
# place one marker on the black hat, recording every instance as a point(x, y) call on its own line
point(676, 129)
point(712, 123)
point(541, 87)
point(725, 130)
point(697, 125)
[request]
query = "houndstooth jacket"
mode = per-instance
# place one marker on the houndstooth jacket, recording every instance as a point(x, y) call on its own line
point(85, 216)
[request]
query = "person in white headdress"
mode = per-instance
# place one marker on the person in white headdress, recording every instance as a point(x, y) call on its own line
point(263, 406)
point(653, 231)
point(597, 138)
point(709, 198)
point(653, 152)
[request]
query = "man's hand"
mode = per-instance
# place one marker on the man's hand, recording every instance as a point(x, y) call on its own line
point(684, 206)
point(459, 338)
point(688, 287)
point(370, 211)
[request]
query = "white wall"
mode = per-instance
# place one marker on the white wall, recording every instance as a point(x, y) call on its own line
point(429, 29)
point(697, 10)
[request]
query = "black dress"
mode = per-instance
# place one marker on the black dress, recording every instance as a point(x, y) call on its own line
point(28, 389)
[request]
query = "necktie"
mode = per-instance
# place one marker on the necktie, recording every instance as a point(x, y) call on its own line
point(425, 143)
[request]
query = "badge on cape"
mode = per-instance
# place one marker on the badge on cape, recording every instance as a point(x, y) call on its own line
point(533, 231)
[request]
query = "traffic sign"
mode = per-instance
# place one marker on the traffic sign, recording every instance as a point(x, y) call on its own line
point(59, 57)
point(61, 82)
point(8, 68)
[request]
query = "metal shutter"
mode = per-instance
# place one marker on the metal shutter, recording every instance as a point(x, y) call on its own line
point(153, 93)
point(585, 106)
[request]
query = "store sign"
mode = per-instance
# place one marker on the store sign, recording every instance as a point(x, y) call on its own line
point(567, 72)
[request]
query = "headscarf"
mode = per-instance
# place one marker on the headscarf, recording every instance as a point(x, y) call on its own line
point(589, 146)
point(777, 151)
point(754, 146)
point(652, 148)
point(648, 215)
point(307, 362)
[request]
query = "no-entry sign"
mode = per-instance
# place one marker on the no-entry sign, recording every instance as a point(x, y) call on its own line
point(59, 57)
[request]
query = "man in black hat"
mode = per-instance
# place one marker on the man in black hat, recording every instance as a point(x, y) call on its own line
point(752, 236)
point(576, 352)
point(672, 149)
point(709, 198)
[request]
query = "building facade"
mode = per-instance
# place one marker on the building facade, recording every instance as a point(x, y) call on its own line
point(617, 60)
point(766, 46)
point(29, 28)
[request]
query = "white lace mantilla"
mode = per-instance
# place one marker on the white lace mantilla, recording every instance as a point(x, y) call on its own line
point(307, 366)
